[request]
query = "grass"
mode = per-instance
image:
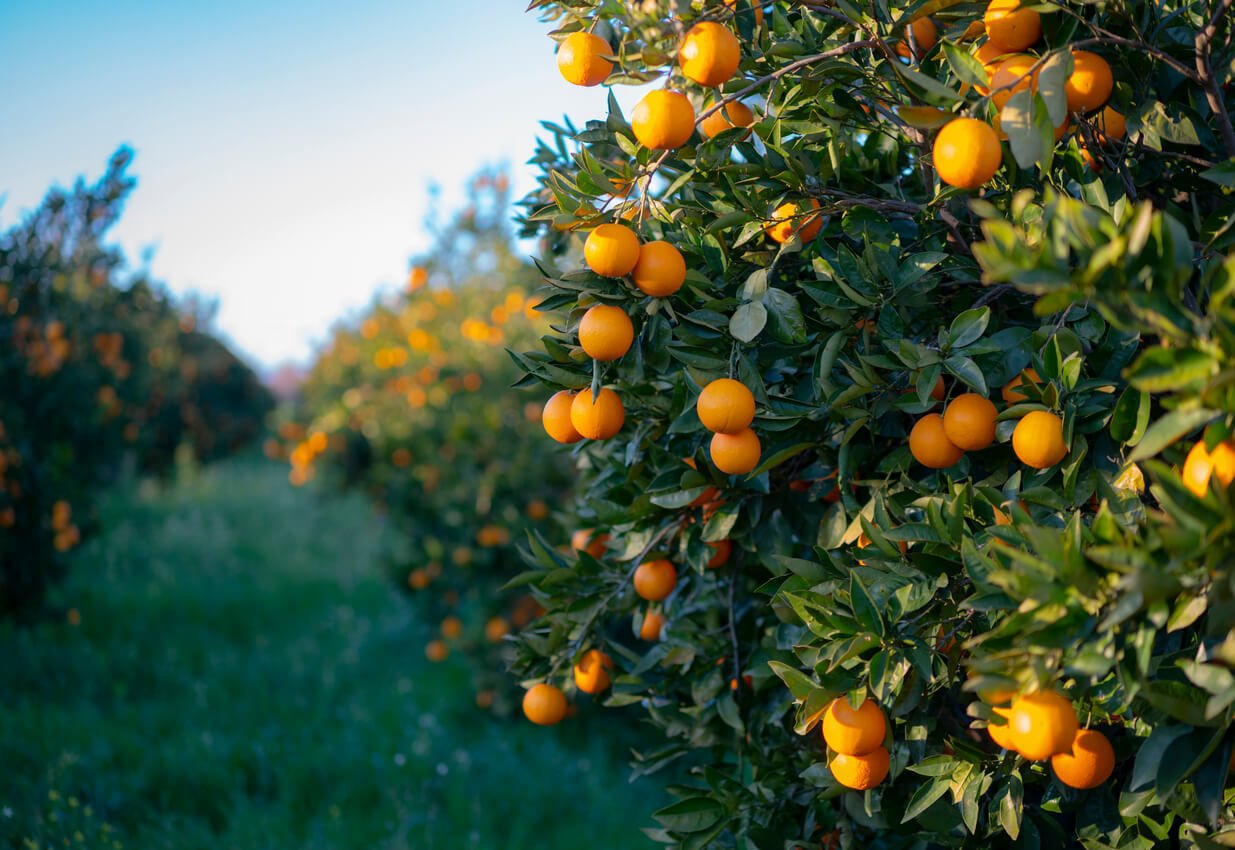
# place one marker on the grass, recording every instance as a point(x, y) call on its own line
point(243, 677)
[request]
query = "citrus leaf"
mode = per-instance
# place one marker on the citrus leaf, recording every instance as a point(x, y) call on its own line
point(1169, 429)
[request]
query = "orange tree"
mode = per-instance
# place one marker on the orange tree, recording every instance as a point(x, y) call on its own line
point(887, 335)
point(100, 374)
point(410, 401)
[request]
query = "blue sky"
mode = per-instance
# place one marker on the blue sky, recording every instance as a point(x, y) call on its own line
point(283, 148)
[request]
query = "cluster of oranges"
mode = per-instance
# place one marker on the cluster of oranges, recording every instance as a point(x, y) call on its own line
point(1043, 725)
point(968, 424)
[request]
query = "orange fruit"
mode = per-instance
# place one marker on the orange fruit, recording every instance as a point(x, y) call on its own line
point(1010, 26)
point(709, 54)
point(1090, 84)
point(655, 580)
point(556, 418)
point(861, 772)
point(1090, 762)
point(736, 114)
point(925, 36)
point(592, 671)
point(1038, 440)
point(652, 626)
point(969, 422)
point(1011, 394)
point(598, 421)
point(990, 55)
point(732, 4)
point(1013, 74)
point(967, 153)
point(436, 650)
point(544, 704)
point(606, 332)
point(611, 250)
point(1201, 465)
point(788, 221)
point(929, 443)
point(452, 627)
point(660, 271)
point(939, 391)
point(663, 120)
point(999, 732)
point(587, 540)
point(1112, 126)
point(726, 406)
point(496, 628)
point(581, 59)
point(854, 732)
point(722, 551)
point(1042, 724)
point(736, 454)
point(864, 541)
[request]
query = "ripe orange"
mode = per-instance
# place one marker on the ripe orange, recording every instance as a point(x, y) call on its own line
point(1015, 73)
point(436, 650)
point(592, 671)
point(581, 59)
point(451, 627)
point(1112, 126)
point(1042, 724)
point(925, 35)
point(1090, 762)
point(722, 550)
point(999, 732)
point(726, 406)
point(663, 120)
point(587, 540)
point(1201, 465)
point(861, 772)
point(736, 114)
point(598, 421)
point(788, 220)
point(990, 55)
point(1038, 440)
point(611, 250)
point(709, 54)
point(556, 418)
point(967, 152)
point(940, 390)
point(969, 422)
point(655, 580)
point(732, 4)
point(660, 271)
point(652, 626)
point(496, 628)
point(929, 443)
point(1089, 87)
point(544, 704)
point(606, 332)
point(854, 733)
point(1011, 394)
point(736, 454)
point(1010, 26)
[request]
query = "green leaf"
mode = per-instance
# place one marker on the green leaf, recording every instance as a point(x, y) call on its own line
point(864, 607)
point(967, 371)
point(968, 327)
point(1162, 369)
point(798, 683)
point(967, 67)
point(925, 796)
point(788, 326)
point(1130, 417)
point(748, 321)
point(1168, 429)
point(694, 814)
point(1052, 77)
point(1017, 121)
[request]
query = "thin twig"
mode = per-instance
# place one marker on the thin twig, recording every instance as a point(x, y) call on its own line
point(1205, 71)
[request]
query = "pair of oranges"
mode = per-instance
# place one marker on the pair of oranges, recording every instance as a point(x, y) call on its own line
point(570, 417)
point(613, 250)
point(727, 408)
point(545, 704)
point(857, 737)
point(1043, 725)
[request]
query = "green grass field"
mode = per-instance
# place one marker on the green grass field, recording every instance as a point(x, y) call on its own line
point(244, 677)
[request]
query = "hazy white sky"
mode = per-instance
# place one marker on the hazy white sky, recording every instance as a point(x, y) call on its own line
point(283, 148)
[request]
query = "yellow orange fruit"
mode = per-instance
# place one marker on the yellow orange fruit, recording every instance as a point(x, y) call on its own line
point(969, 422)
point(556, 418)
point(611, 250)
point(925, 35)
point(1042, 724)
point(990, 55)
point(592, 671)
point(652, 626)
point(722, 551)
point(758, 12)
point(1089, 85)
point(736, 114)
point(929, 443)
point(663, 120)
point(1011, 394)
point(1010, 26)
point(598, 421)
point(790, 219)
point(1015, 73)
point(1201, 465)
point(967, 153)
point(736, 454)
point(1038, 440)
point(726, 406)
point(710, 54)
point(854, 732)
point(999, 732)
point(861, 773)
point(1089, 763)
point(544, 704)
point(581, 59)
point(436, 651)
point(451, 627)
point(1112, 126)
point(496, 628)
point(587, 540)
point(606, 332)
point(655, 580)
point(661, 269)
